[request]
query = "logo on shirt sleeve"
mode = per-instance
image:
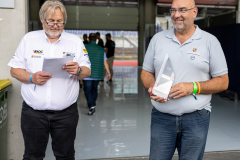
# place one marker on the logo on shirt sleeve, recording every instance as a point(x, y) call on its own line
point(13, 56)
point(85, 50)
point(38, 52)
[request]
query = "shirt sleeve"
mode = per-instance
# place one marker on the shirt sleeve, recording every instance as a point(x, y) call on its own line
point(18, 60)
point(217, 61)
point(83, 58)
point(148, 63)
point(105, 56)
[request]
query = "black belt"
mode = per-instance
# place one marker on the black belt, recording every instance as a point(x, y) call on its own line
point(74, 104)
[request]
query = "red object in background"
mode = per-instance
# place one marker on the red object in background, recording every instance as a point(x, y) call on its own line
point(125, 63)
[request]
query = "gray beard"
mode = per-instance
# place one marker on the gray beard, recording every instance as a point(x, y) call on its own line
point(52, 35)
point(182, 29)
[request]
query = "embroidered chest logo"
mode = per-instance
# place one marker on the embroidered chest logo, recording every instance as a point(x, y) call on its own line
point(33, 56)
point(66, 54)
point(192, 57)
point(38, 52)
point(194, 49)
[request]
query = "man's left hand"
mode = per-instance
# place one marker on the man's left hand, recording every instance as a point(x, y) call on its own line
point(180, 90)
point(71, 67)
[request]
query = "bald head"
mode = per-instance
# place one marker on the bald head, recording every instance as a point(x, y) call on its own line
point(187, 3)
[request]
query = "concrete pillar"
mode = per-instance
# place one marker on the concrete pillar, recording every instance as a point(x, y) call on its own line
point(13, 27)
point(147, 16)
point(206, 24)
point(238, 12)
point(141, 32)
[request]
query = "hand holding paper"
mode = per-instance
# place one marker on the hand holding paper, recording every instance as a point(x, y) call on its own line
point(71, 67)
point(54, 66)
point(40, 78)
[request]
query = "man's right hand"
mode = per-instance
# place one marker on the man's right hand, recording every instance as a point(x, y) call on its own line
point(157, 98)
point(40, 78)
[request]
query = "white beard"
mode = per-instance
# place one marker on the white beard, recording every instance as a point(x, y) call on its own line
point(48, 32)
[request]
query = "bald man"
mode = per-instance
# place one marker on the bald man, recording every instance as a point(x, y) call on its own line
point(182, 120)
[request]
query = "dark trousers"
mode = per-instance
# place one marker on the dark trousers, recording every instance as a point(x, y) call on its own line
point(37, 125)
point(91, 91)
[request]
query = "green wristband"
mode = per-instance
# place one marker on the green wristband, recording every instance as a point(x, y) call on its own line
point(194, 88)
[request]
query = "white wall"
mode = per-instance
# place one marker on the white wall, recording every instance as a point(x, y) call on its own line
point(13, 26)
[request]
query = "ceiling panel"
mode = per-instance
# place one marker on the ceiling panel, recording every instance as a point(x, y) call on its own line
point(210, 2)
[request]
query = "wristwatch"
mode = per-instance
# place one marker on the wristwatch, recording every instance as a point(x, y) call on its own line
point(79, 71)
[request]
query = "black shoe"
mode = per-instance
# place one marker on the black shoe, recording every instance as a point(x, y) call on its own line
point(81, 85)
point(91, 111)
point(110, 80)
point(102, 80)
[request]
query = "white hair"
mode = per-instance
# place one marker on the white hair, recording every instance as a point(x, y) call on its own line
point(53, 5)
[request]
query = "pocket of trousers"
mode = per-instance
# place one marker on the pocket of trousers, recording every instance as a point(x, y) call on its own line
point(203, 112)
point(25, 107)
point(154, 110)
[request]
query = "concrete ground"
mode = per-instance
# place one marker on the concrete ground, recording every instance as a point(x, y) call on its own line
point(230, 155)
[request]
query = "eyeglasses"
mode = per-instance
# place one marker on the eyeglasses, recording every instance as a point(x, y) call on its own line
point(181, 10)
point(53, 24)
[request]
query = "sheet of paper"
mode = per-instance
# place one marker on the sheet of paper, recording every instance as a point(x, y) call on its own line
point(54, 66)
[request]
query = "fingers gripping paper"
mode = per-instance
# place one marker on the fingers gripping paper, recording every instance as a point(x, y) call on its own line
point(164, 80)
point(54, 66)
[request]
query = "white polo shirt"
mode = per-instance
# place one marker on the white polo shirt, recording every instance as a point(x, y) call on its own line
point(55, 94)
point(198, 59)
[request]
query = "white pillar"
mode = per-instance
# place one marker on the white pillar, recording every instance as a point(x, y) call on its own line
point(13, 27)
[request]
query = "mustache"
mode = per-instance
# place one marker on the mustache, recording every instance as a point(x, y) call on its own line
point(179, 18)
point(54, 28)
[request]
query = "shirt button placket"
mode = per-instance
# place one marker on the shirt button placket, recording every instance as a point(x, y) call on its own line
point(49, 82)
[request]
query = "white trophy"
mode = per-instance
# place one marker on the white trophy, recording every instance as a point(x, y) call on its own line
point(164, 80)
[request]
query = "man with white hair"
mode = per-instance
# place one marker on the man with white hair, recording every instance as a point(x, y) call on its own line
point(49, 105)
point(200, 69)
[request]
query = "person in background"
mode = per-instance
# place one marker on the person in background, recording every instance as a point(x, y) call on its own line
point(85, 39)
point(110, 50)
point(98, 60)
point(49, 104)
point(100, 41)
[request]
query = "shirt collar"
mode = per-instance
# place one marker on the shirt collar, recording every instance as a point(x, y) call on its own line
point(196, 35)
point(59, 39)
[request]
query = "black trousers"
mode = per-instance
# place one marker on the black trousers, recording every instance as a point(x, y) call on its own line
point(37, 125)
